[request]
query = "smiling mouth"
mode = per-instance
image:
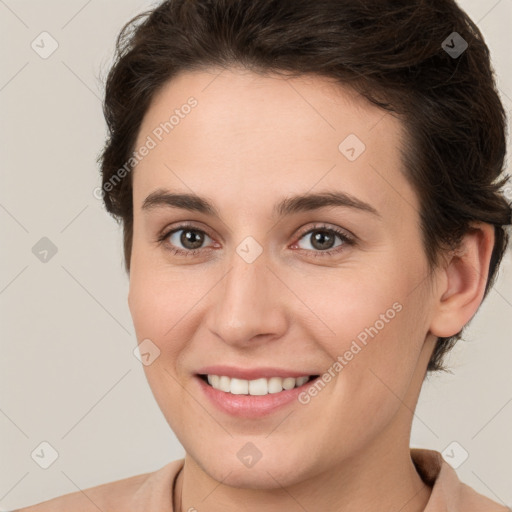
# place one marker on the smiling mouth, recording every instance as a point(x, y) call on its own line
point(256, 387)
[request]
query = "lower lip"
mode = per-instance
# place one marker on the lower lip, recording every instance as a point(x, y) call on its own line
point(251, 406)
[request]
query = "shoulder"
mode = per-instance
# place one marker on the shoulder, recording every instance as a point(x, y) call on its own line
point(127, 495)
point(100, 497)
point(478, 502)
point(448, 492)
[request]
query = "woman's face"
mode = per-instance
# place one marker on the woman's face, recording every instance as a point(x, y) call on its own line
point(266, 285)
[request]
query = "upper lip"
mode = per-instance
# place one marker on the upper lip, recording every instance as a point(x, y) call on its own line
point(251, 373)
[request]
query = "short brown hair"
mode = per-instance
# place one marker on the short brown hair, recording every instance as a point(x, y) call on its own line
point(390, 51)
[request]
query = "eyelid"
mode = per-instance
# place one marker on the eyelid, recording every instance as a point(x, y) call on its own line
point(327, 227)
point(169, 230)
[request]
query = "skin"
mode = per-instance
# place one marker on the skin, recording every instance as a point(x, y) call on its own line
point(251, 141)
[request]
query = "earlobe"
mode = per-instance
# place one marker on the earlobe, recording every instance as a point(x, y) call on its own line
point(464, 279)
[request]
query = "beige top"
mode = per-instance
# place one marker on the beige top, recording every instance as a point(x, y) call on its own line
point(152, 492)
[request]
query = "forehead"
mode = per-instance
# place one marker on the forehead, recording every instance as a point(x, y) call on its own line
point(212, 131)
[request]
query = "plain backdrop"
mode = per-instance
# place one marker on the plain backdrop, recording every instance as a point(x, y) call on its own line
point(68, 374)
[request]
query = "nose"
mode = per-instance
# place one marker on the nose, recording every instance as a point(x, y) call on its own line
point(249, 304)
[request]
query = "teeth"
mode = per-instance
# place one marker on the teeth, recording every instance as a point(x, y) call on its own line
point(223, 383)
point(302, 380)
point(258, 387)
point(238, 386)
point(255, 387)
point(289, 383)
point(275, 385)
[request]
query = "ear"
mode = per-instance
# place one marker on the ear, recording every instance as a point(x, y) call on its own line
point(462, 281)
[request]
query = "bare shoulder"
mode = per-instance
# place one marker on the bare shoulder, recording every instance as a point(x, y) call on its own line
point(108, 497)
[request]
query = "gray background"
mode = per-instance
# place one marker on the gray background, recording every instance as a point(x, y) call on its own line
point(68, 373)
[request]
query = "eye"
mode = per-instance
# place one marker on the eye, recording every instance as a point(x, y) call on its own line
point(322, 240)
point(185, 240)
point(188, 240)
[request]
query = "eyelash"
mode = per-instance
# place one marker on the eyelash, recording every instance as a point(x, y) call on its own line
point(345, 238)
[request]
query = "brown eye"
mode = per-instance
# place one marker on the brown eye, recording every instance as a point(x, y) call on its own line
point(184, 240)
point(191, 239)
point(321, 241)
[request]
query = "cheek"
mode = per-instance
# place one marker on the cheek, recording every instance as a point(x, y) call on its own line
point(164, 305)
point(354, 304)
point(373, 376)
point(146, 304)
point(376, 327)
point(158, 296)
point(156, 310)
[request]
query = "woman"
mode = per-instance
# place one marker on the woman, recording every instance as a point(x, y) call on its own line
point(311, 200)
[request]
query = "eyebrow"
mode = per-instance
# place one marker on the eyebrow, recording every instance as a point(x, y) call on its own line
point(162, 198)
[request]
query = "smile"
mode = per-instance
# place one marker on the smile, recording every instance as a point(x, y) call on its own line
point(256, 387)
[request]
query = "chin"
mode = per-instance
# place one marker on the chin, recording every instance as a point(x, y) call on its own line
point(262, 476)
point(271, 471)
